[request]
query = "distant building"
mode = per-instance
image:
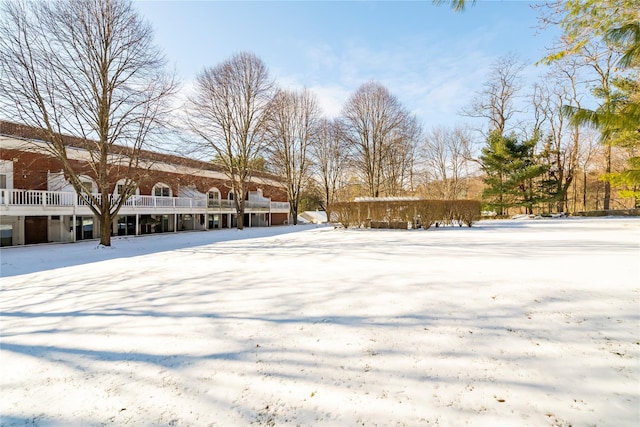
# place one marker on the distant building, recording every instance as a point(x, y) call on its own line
point(39, 205)
point(313, 217)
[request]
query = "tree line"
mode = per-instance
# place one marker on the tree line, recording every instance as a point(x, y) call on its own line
point(89, 68)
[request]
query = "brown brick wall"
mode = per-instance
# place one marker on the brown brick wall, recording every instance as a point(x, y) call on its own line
point(30, 173)
point(279, 218)
point(145, 180)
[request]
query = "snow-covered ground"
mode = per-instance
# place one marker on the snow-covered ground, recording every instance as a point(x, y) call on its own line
point(507, 323)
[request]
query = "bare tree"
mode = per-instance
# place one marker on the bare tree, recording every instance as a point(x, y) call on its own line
point(374, 122)
point(86, 68)
point(397, 171)
point(590, 151)
point(563, 138)
point(601, 58)
point(495, 101)
point(446, 155)
point(226, 113)
point(330, 159)
point(292, 120)
point(585, 39)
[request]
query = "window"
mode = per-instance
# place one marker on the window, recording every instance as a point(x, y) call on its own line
point(84, 227)
point(3, 181)
point(161, 190)
point(6, 235)
point(88, 186)
point(121, 186)
point(213, 197)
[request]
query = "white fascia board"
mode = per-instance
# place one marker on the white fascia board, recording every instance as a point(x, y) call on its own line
point(10, 143)
point(182, 170)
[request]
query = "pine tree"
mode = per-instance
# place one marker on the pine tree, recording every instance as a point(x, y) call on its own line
point(512, 173)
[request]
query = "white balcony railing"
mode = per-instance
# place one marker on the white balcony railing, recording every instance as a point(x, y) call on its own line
point(221, 204)
point(60, 199)
point(279, 206)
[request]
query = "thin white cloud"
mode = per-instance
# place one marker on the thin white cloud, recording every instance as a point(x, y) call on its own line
point(331, 98)
point(432, 84)
point(434, 78)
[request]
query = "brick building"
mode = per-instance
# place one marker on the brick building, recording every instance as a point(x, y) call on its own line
point(39, 205)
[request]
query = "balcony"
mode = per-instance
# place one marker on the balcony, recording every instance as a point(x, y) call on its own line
point(37, 202)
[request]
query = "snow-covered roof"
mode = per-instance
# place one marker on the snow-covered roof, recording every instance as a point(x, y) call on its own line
point(315, 217)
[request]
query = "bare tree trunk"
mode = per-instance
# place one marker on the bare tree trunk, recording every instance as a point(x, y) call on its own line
point(240, 219)
point(584, 191)
point(294, 214)
point(105, 229)
point(607, 184)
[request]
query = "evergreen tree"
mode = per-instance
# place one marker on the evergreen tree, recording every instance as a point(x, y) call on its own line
point(529, 190)
point(495, 160)
point(512, 173)
point(551, 183)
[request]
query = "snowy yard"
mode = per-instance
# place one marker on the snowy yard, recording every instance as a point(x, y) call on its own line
point(508, 323)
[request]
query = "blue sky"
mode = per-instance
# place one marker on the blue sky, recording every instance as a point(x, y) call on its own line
point(431, 58)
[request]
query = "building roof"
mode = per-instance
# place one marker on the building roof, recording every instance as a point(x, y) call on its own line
point(22, 131)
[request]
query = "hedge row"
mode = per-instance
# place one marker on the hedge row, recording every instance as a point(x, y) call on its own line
point(399, 214)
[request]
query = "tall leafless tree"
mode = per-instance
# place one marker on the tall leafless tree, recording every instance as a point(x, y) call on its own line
point(589, 152)
point(292, 120)
point(601, 58)
point(227, 114)
point(562, 140)
point(86, 68)
point(375, 123)
point(397, 172)
point(446, 155)
point(330, 160)
point(496, 100)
